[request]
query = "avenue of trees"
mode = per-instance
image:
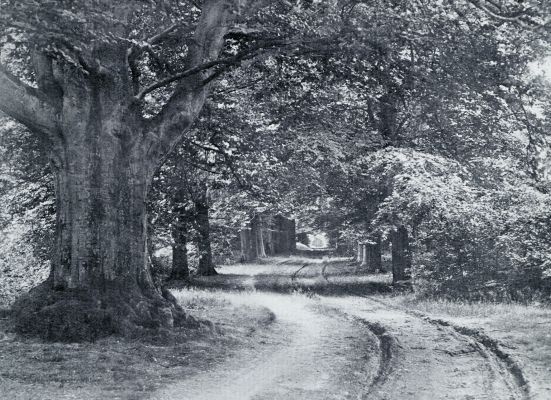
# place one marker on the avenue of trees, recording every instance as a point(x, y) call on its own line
point(416, 127)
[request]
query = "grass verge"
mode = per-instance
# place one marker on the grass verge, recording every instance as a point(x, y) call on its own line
point(114, 368)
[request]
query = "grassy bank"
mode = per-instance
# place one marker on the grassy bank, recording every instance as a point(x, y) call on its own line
point(114, 368)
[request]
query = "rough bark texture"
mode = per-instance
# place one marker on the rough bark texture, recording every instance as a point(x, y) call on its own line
point(104, 154)
point(401, 257)
point(100, 279)
point(206, 266)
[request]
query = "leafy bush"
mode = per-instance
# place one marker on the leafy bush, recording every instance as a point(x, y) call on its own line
point(477, 233)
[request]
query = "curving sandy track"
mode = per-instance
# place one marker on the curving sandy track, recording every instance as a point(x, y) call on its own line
point(313, 353)
point(353, 347)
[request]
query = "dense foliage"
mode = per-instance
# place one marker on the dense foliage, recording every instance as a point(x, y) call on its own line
point(354, 117)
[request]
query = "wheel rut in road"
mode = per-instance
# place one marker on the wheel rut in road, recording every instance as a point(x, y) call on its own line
point(356, 347)
point(434, 360)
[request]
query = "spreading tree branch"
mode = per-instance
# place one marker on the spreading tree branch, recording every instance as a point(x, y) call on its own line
point(185, 74)
point(177, 115)
point(520, 18)
point(27, 105)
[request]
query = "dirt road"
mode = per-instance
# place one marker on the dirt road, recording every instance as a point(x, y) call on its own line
point(352, 347)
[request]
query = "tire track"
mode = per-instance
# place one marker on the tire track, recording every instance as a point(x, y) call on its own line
point(500, 363)
point(294, 275)
point(507, 367)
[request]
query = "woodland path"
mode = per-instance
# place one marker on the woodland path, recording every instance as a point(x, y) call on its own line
point(352, 347)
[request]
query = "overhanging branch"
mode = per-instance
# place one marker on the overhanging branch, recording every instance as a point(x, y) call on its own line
point(27, 105)
point(520, 18)
point(199, 68)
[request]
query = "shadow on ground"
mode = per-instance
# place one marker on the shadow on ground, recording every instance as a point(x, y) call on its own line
point(337, 277)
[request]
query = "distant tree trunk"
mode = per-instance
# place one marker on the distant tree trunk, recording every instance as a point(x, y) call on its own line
point(363, 247)
point(245, 238)
point(292, 236)
point(269, 237)
point(248, 244)
point(260, 245)
point(260, 238)
point(253, 247)
point(180, 266)
point(401, 257)
point(373, 254)
point(206, 266)
point(359, 256)
point(303, 238)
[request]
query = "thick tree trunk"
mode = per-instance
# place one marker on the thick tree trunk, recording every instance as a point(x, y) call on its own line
point(100, 280)
point(104, 156)
point(401, 257)
point(180, 266)
point(206, 266)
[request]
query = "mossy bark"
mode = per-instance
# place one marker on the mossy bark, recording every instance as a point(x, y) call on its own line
point(104, 153)
point(100, 280)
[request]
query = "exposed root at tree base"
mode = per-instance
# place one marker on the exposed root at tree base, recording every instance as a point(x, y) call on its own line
point(85, 315)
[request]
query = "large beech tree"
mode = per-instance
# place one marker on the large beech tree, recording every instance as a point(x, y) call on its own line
point(113, 87)
point(90, 90)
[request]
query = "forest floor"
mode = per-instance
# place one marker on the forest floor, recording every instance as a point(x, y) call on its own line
point(301, 329)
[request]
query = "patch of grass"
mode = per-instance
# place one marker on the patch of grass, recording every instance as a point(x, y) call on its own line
point(123, 369)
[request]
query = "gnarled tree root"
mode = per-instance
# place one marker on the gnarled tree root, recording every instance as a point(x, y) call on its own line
point(76, 315)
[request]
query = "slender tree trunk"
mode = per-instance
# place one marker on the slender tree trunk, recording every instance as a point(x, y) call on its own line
point(206, 266)
point(260, 239)
point(364, 255)
point(180, 266)
point(269, 237)
point(248, 244)
point(253, 250)
point(359, 255)
point(292, 236)
point(244, 236)
point(401, 257)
